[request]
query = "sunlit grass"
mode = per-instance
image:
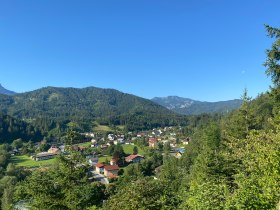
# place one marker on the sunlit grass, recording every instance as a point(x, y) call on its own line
point(26, 161)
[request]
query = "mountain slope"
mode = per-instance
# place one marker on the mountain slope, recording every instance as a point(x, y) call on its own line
point(72, 103)
point(189, 107)
point(5, 91)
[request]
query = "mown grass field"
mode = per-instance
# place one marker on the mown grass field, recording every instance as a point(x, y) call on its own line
point(86, 144)
point(128, 149)
point(104, 128)
point(26, 161)
point(103, 159)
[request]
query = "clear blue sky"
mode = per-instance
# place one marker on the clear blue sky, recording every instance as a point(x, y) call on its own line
point(201, 49)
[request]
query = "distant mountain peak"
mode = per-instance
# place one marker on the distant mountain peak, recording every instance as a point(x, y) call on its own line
point(188, 106)
point(5, 91)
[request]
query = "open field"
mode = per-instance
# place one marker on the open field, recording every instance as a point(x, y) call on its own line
point(103, 159)
point(128, 149)
point(86, 144)
point(26, 161)
point(121, 127)
point(102, 128)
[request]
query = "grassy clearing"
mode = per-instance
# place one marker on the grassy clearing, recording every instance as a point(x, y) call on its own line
point(121, 127)
point(26, 161)
point(103, 159)
point(128, 149)
point(86, 144)
point(102, 128)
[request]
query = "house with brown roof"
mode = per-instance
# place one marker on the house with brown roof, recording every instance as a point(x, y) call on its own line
point(153, 142)
point(111, 171)
point(134, 158)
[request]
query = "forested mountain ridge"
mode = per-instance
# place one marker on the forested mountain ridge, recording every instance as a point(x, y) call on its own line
point(106, 106)
point(73, 102)
point(188, 106)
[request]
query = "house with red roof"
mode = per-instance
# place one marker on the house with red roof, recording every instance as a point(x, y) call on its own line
point(99, 168)
point(134, 158)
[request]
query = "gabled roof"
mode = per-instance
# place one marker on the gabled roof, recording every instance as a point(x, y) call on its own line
point(132, 157)
point(99, 165)
point(111, 168)
point(44, 154)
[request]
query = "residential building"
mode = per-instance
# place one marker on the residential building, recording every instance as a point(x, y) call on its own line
point(99, 168)
point(111, 137)
point(134, 158)
point(43, 156)
point(111, 171)
point(54, 150)
point(114, 161)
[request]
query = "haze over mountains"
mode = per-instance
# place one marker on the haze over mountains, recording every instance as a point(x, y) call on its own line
point(5, 91)
point(188, 106)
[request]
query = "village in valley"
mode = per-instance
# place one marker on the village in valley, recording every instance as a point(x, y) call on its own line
point(107, 155)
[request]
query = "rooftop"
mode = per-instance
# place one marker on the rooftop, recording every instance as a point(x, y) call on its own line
point(111, 168)
point(99, 165)
point(132, 157)
point(44, 154)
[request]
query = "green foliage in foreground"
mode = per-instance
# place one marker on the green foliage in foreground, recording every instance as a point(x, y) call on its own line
point(65, 186)
point(144, 193)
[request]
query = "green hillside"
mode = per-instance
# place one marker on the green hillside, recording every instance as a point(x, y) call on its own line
point(107, 106)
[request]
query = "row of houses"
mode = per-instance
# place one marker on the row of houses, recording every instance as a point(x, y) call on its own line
point(154, 141)
point(112, 170)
